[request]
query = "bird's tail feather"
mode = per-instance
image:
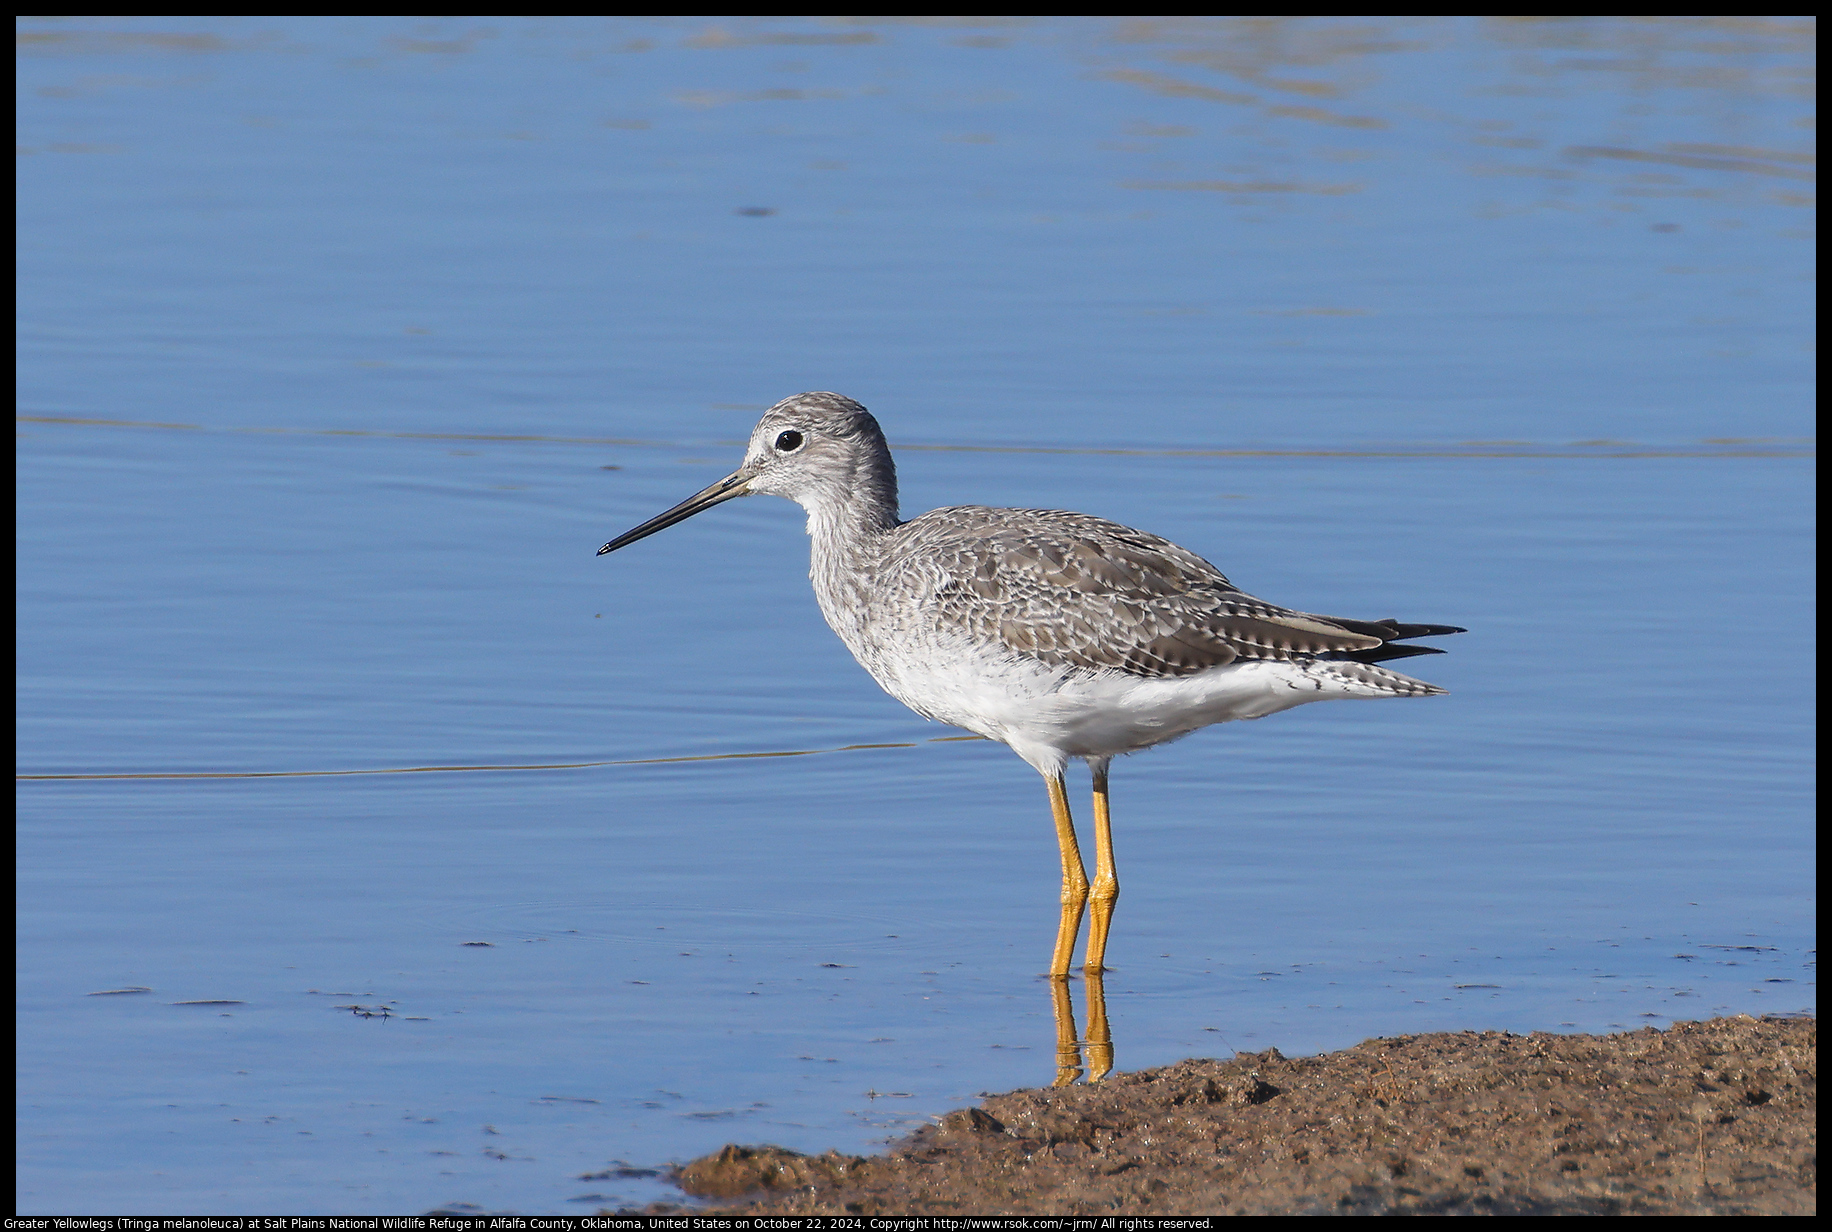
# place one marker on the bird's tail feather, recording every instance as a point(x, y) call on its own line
point(1391, 630)
point(1365, 680)
point(1385, 651)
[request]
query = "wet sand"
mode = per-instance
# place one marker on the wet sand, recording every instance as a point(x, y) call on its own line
point(1702, 1118)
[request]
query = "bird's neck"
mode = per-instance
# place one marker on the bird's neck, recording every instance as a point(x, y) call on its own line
point(848, 516)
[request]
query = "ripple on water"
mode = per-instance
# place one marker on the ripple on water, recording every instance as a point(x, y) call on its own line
point(662, 925)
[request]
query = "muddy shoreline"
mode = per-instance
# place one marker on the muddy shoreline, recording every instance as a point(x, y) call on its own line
point(1701, 1118)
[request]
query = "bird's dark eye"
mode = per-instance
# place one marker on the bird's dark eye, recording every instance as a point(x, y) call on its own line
point(789, 442)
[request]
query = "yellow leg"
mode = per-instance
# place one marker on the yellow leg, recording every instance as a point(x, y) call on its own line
point(1106, 889)
point(1068, 1048)
point(1100, 1035)
point(1074, 879)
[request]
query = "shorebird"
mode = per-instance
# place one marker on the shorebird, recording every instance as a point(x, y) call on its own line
point(1059, 634)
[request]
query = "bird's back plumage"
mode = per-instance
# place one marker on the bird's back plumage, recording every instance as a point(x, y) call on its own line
point(1072, 590)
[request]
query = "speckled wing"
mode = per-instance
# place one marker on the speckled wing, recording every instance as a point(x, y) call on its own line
point(1073, 590)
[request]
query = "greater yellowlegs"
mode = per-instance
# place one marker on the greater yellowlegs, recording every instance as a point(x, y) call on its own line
point(1061, 635)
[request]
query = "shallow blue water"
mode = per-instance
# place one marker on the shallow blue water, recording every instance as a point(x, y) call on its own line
point(345, 342)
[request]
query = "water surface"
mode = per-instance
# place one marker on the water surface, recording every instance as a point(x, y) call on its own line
point(346, 341)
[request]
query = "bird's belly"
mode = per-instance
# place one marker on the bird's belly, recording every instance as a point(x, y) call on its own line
point(1035, 707)
point(1108, 713)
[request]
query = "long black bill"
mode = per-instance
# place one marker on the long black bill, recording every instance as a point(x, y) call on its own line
point(734, 484)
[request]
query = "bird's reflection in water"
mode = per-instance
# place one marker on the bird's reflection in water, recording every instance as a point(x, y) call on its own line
point(1098, 1043)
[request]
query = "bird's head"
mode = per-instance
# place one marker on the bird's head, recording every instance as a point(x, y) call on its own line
point(823, 451)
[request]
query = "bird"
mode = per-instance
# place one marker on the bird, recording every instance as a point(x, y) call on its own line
point(1062, 635)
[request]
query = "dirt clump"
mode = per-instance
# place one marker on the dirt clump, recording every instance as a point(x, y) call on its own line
point(1702, 1118)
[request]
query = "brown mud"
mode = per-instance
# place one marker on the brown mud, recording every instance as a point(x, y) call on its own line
point(1702, 1118)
